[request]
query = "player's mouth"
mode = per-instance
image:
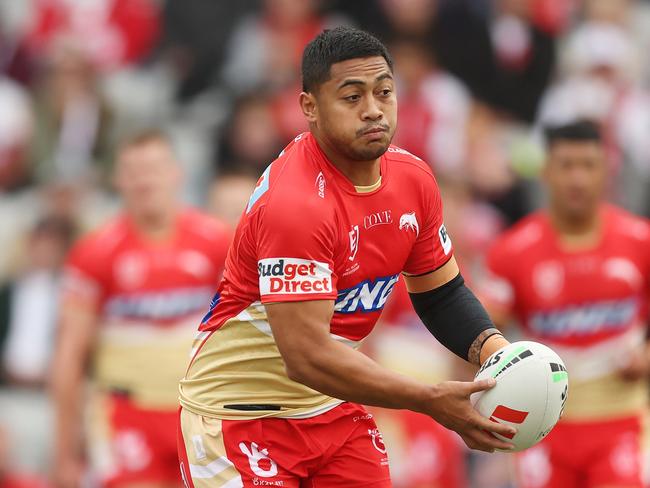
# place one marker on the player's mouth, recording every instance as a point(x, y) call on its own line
point(374, 133)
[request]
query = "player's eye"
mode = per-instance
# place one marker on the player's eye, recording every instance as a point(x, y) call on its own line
point(386, 92)
point(352, 98)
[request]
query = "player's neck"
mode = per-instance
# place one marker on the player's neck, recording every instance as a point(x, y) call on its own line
point(360, 173)
point(155, 226)
point(577, 233)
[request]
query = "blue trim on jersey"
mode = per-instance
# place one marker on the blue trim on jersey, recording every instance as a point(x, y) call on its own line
point(213, 304)
point(261, 188)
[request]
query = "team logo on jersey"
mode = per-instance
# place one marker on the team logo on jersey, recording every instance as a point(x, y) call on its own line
point(354, 242)
point(445, 240)
point(320, 184)
point(409, 222)
point(367, 296)
point(131, 269)
point(377, 440)
point(289, 276)
point(548, 279)
point(260, 189)
point(259, 461)
point(378, 218)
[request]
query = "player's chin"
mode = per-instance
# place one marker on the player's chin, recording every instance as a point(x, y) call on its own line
point(372, 150)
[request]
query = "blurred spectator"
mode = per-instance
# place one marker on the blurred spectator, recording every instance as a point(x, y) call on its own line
point(489, 167)
point(113, 32)
point(15, 134)
point(73, 120)
point(494, 47)
point(28, 303)
point(433, 107)
point(394, 18)
point(196, 33)
point(251, 140)
point(229, 194)
point(266, 47)
point(601, 83)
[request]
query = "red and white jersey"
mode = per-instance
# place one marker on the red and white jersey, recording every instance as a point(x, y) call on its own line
point(148, 297)
point(309, 234)
point(589, 305)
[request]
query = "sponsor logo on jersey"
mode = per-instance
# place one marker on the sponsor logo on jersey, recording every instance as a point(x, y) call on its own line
point(158, 305)
point(409, 222)
point(445, 240)
point(289, 276)
point(591, 318)
point(367, 296)
point(260, 189)
point(320, 184)
point(378, 218)
point(354, 242)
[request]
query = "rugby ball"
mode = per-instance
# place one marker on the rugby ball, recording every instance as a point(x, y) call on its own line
point(531, 390)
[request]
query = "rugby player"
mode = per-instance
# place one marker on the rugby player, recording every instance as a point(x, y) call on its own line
point(576, 276)
point(133, 292)
point(273, 391)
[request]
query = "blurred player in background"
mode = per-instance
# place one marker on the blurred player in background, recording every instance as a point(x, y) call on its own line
point(271, 396)
point(133, 292)
point(576, 276)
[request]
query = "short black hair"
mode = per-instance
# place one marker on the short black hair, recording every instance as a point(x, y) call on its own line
point(582, 130)
point(333, 46)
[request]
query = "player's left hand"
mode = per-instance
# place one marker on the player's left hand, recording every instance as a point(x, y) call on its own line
point(637, 365)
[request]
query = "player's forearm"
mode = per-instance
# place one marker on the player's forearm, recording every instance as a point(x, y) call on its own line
point(66, 393)
point(341, 372)
point(491, 345)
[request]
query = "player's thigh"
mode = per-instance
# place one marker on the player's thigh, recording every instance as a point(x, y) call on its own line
point(541, 466)
point(361, 460)
point(619, 461)
point(126, 447)
point(228, 454)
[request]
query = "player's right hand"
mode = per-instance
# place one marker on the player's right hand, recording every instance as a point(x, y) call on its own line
point(453, 409)
point(67, 473)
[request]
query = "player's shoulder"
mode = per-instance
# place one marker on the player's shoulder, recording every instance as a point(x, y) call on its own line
point(408, 163)
point(524, 234)
point(99, 244)
point(202, 224)
point(293, 185)
point(107, 236)
point(625, 224)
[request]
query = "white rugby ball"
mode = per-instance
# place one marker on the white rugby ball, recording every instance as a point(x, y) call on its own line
point(531, 390)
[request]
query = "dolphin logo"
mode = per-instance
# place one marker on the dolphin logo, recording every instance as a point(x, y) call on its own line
point(408, 222)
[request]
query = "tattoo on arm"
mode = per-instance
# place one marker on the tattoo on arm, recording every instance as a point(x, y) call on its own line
point(474, 353)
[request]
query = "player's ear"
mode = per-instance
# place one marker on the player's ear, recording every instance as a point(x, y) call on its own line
point(308, 106)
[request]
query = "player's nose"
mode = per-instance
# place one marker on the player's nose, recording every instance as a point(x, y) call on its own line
point(372, 110)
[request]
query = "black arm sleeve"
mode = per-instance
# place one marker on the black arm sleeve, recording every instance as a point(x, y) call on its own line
point(453, 314)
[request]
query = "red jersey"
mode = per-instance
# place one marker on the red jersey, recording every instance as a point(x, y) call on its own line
point(309, 234)
point(147, 295)
point(589, 305)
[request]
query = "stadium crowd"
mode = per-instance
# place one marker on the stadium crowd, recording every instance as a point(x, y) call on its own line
point(477, 81)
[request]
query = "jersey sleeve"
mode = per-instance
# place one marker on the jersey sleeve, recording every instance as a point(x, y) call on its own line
point(295, 254)
point(84, 275)
point(433, 247)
